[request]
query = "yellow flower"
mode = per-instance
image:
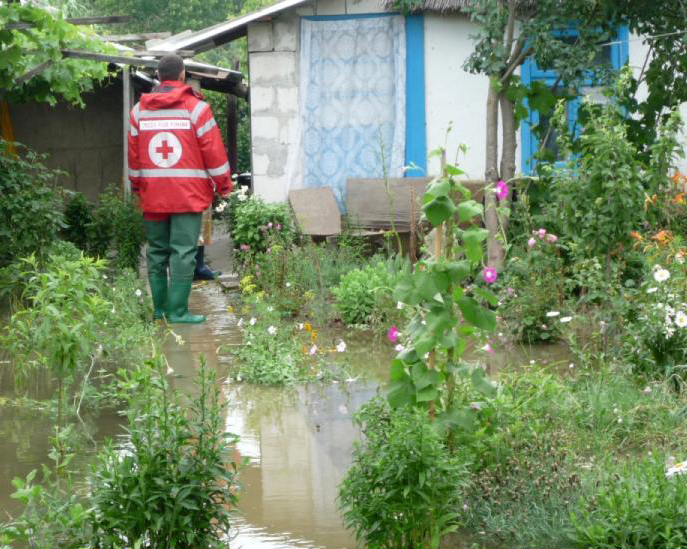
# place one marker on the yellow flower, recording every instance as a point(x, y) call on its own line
point(313, 336)
point(307, 327)
point(230, 309)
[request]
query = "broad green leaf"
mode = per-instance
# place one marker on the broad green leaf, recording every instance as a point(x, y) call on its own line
point(427, 394)
point(469, 209)
point(488, 296)
point(439, 210)
point(481, 383)
point(477, 315)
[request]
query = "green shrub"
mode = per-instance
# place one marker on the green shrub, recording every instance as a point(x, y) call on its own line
point(533, 287)
point(128, 235)
point(403, 487)
point(256, 224)
point(78, 215)
point(634, 506)
point(30, 208)
point(363, 295)
point(175, 485)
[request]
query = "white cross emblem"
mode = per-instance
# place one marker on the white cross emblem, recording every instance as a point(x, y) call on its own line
point(164, 149)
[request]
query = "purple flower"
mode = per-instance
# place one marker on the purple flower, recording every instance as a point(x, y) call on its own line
point(531, 243)
point(551, 238)
point(501, 190)
point(489, 275)
point(541, 233)
point(392, 334)
point(244, 247)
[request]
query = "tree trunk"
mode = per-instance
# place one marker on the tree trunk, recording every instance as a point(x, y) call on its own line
point(491, 174)
point(508, 149)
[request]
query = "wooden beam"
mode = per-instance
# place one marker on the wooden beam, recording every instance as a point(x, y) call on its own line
point(91, 56)
point(33, 72)
point(126, 107)
point(232, 132)
point(136, 37)
point(106, 20)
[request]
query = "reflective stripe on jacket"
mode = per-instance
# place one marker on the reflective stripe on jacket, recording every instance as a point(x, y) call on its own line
point(176, 155)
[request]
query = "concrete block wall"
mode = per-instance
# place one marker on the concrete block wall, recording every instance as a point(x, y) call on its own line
point(273, 60)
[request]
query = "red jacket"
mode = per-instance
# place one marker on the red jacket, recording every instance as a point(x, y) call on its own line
point(176, 151)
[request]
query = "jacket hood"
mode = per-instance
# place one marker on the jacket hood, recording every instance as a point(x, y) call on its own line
point(174, 98)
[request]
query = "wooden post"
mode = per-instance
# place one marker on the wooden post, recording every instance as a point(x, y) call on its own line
point(232, 132)
point(126, 108)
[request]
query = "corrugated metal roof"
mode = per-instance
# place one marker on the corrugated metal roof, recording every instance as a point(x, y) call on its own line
point(224, 32)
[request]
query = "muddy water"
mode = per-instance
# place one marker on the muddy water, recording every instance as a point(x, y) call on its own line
point(297, 441)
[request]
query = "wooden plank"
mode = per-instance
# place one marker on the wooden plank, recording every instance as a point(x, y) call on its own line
point(368, 205)
point(136, 37)
point(316, 211)
point(106, 20)
point(91, 56)
point(232, 132)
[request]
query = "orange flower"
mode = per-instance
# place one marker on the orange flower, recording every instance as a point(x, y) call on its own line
point(676, 177)
point(679, 198)
point(636, 236)
point(662, 237)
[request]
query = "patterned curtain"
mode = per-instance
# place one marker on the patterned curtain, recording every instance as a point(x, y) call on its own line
point(352, 87)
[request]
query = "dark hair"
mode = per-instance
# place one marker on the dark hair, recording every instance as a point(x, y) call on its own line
point(169, 67)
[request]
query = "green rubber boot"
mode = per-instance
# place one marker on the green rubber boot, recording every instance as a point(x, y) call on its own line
point(177, 304)
point(158, 289)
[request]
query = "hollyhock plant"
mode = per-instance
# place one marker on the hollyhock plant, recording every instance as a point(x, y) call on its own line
point(489, 275)
point(501, 190)
point(392, 334)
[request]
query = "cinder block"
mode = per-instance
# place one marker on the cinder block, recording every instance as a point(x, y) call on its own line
point(273, 69)
point(265, 127)
point(261, 98)
point(287, 99)
point(330, 7)
point(260, 36)
point(261, 163)
point(286, 34)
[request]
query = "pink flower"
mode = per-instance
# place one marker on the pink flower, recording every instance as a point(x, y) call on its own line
point(244, 247)
point(392, 334)
point(551, 238)
point(487, 348)
point(531, 243)
point(541, 233)
point(502, 190)
point(278, 227)
point(489, 275)
point(269, 225)
point(313, 350)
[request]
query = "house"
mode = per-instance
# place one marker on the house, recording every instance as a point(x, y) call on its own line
point(338, 85)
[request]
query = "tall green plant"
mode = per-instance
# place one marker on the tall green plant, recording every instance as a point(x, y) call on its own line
point(449, 315)
point(175, 485)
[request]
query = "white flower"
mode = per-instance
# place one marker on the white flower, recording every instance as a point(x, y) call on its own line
point(571, 365)
point(661, 274)
point(169, 370)
point(552, 314)
point(399, 348)
point(313, 350)
point(677, 469)
point(647, 390)
point(680, 319)
point(341, 347)
point(272, 330)
point(252, 321)
point(138, 293)
point(651, 290)
point(300, 325)
point(288, 284)
point(531, 361)
point(220, 207)
point(565, 319)
point(270, 308)
point(620, 420)
point(104, 277)
point(399, 305)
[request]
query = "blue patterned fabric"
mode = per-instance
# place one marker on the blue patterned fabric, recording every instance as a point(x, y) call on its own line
point(353, 85)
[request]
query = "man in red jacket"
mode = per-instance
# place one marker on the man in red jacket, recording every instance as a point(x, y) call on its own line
point(176, 163)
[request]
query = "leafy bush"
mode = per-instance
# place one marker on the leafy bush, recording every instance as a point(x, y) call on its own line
point(128, 235)
point(256, 223)
point(30, 209)
point(77, 217)
point(404, 486)
point(364, 296)
point(174, 487)
point(633, 506)
point(533, 287)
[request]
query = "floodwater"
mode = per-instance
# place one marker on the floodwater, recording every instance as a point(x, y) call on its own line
point(297, 441)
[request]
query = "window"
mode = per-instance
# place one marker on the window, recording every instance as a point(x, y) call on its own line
point(614, 56)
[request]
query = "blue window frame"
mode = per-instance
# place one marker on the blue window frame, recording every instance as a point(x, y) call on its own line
point(615, 55)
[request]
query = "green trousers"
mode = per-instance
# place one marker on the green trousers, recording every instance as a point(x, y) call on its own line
point(172, 245)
